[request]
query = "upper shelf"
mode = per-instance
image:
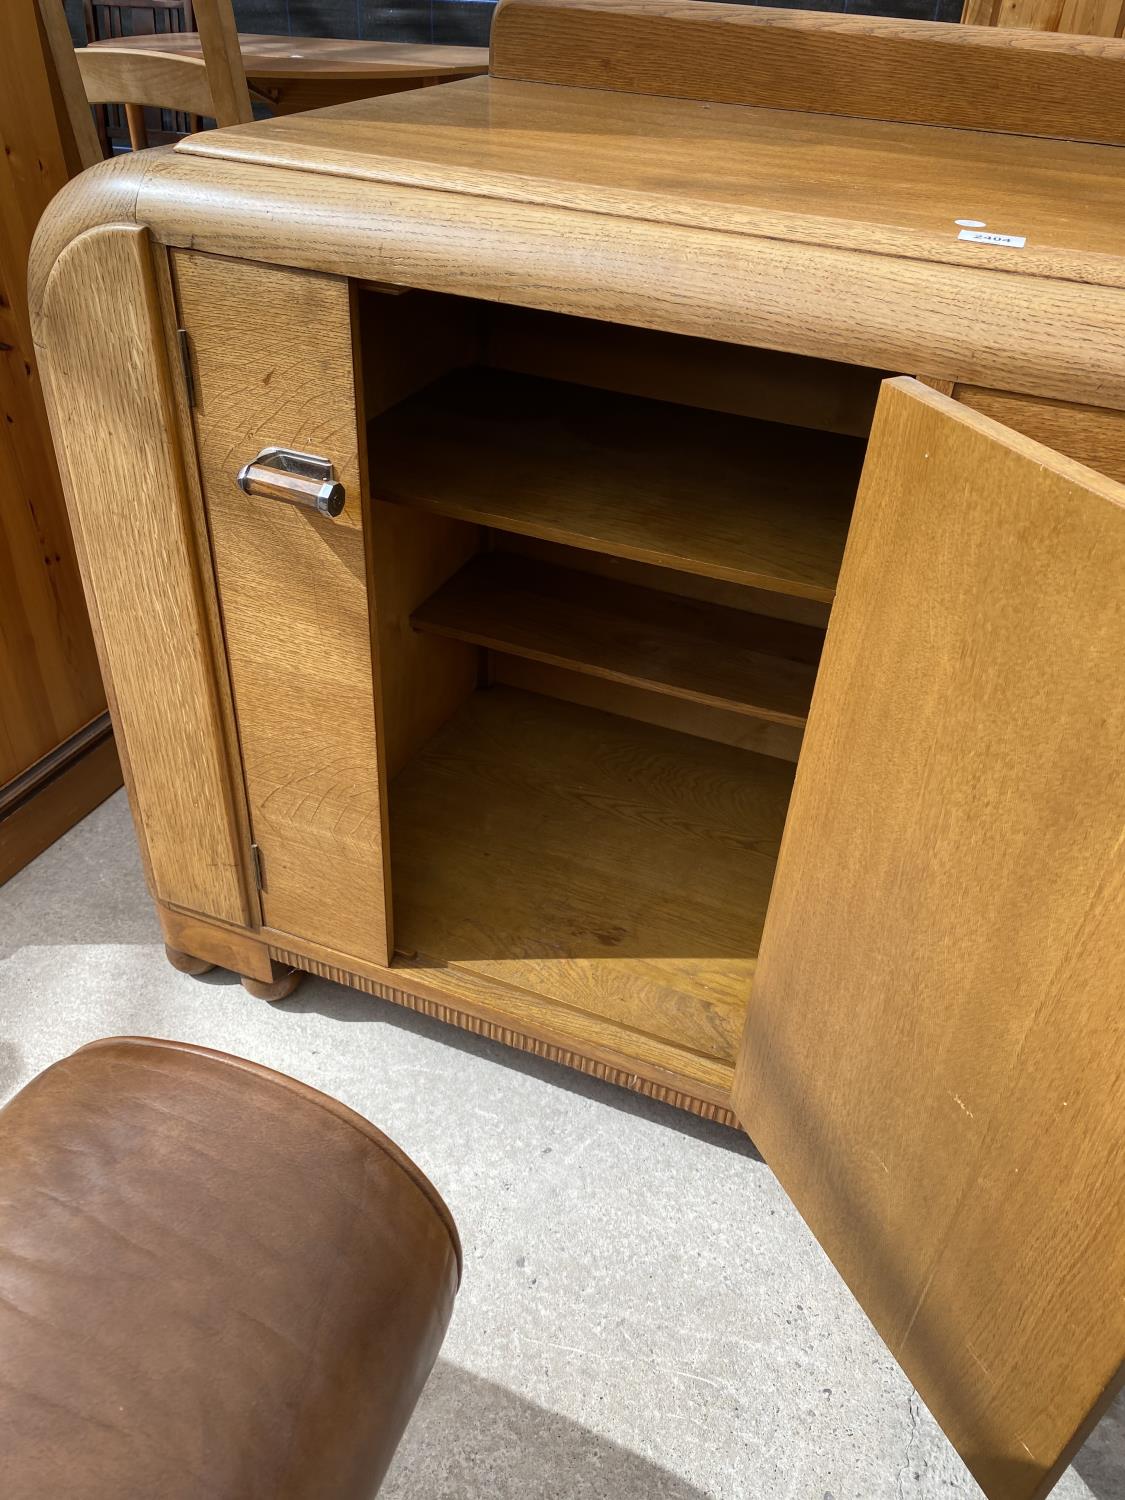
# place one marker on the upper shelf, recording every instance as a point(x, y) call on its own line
point(726, 497)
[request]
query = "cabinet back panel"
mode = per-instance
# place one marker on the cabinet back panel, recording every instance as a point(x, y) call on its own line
point(707, 723)
point(667, 580)
point(408, 338)
point(618, 869)
point(412, 337)
point(735, 378)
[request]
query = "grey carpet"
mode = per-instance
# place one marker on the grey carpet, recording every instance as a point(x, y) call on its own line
point(643, 1317)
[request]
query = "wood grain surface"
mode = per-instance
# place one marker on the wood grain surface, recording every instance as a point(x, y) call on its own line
point(681, 714)
point(241, 952)
point(617, 869)
point(1084, 17)
point(706, 653)
point(29, 826)
point(1044, 335)
point(872, 185)
point(487, 1007)
point(49, 681)
point(281, 59)
point(881, 67)
point(932, 1054)
point(226, 77)
point(1091, 434)
point(746, 382)
point(293, 592)
point(118, 75)
point(671, 581)
point(73, 122)
point(848, 285)
point(403, 343)
point(933, 1059)
point(727, 497)
point(113, 408)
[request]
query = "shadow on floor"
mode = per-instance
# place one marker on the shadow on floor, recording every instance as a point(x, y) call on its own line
point(471, 1439)
point(338, 1003)
point(1100, 1462)
point(11, 1068)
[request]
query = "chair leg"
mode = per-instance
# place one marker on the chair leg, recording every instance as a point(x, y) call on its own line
point(138, 130)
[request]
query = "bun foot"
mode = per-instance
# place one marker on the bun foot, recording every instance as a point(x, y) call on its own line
point(186, 963)
point(273, 989)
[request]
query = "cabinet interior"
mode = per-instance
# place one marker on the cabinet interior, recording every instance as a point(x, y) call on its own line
point(602, 562)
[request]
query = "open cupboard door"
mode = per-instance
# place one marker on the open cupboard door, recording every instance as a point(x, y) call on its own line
point(933, 1060)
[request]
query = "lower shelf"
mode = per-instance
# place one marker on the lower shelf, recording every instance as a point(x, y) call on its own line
point(705, 653)
point(617, 870)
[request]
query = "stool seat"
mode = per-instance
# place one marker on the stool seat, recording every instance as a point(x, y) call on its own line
point(215, 1283)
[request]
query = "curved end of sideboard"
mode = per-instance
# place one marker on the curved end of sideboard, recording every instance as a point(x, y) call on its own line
point(104, 194)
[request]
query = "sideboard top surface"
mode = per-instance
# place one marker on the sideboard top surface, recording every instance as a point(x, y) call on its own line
point(822, 235)
point(879, 186)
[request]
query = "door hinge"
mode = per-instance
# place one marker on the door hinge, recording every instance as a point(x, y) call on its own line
point(256, 861)
point(185, 361)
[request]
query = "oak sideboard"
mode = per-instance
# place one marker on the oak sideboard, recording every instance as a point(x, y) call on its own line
point(627, 556)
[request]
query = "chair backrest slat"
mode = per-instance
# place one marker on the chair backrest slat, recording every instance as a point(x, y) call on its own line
point(125, 75)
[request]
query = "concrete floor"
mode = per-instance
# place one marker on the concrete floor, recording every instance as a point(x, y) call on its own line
point(643, 1316)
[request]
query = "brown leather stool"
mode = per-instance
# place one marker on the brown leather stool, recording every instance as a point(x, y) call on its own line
point(215, 1283)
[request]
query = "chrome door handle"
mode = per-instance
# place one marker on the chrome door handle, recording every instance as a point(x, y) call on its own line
point(297, 478)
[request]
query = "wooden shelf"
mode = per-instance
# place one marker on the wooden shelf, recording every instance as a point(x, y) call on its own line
point(728, 497)
point(618, 869)
point(707, 653)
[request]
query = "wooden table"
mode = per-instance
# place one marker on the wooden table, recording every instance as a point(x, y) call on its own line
point(299, 73)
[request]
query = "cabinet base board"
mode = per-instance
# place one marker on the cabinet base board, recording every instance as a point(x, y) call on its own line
point(493, 1031)
point(56, 793)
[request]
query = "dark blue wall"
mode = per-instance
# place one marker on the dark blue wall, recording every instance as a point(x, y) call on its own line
point(466, 22)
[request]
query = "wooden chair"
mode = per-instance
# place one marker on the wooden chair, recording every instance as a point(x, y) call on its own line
point(214, 85)
point(107, 19)
point(1085, 17)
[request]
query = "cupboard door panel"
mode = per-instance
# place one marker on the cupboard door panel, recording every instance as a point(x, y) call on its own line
point(933, 1060)
point(273, 366)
